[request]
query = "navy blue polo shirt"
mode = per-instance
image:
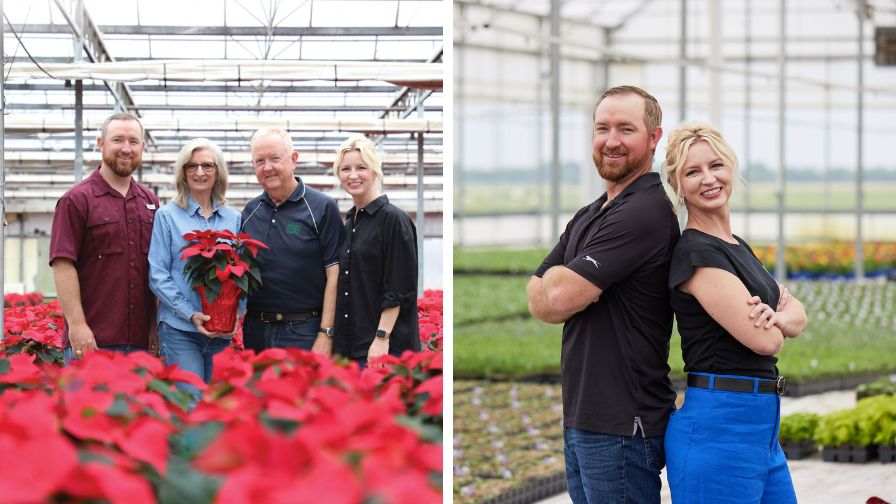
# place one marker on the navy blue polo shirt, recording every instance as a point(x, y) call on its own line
point(304, 234)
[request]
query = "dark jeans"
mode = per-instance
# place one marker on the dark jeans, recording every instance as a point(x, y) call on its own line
point(191, 352)
point(258, 335)
point(601, 468)
point(68, 356)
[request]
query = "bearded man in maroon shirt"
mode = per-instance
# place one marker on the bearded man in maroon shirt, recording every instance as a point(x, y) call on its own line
point(98, 249)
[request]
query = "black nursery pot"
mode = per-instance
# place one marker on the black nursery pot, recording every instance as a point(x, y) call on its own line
point(849, 453)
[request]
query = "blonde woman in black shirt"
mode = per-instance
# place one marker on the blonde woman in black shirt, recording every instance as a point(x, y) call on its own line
point(376, 307)
point(722, 445)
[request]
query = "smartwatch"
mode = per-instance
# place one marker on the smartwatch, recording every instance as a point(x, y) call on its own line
point(381, 334)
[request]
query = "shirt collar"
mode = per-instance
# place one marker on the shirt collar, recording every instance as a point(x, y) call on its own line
point(641, 183)
point(371, 207)
point(193, 205)
point(296, 195)
point(100, 187)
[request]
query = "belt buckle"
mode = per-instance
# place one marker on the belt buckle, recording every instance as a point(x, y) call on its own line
point(279, 317)
point(781, 385)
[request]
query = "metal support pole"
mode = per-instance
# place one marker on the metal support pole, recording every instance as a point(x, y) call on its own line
point(860, 97)
point(2, 176)
point(683, 85)
point(421, 216)
point(22, 250)
point(748, 126)
point(781, 264)
point(683, 69)
point(79, 94)
point(459, 123)
point(539, 142)
point(555, 119)
point(715, 59)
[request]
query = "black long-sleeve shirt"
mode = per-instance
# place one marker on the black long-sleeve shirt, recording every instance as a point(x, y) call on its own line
point(377, 270)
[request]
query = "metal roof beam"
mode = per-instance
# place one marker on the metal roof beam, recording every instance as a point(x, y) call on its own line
point(227, 108)
point(246, 31)
point(177, 87)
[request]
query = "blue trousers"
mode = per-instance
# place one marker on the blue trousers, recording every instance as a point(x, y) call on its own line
point(722, 447)
point(191, 352)
point(258, 335)
point(602, 468)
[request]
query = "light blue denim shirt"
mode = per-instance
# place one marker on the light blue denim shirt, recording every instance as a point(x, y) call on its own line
point(177, 301)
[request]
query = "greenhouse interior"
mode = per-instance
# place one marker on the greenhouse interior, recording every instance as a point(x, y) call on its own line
point(219, 70)
point(804, 91)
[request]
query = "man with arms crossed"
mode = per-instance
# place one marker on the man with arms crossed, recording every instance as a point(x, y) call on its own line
point(303, 228)
point(98, 250)
point(606, 282)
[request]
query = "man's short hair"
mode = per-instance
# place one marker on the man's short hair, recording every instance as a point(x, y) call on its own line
point(653, 114)
point(282, 133)
point(121, 116)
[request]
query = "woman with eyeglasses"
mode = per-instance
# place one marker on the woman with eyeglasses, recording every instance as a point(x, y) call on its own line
point(376, 301)
point(200, 178)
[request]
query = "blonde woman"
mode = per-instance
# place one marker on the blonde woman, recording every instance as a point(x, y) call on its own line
point(376, 304)
point(722, 445)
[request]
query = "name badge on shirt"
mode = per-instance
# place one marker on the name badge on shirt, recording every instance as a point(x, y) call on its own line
point(151, 206)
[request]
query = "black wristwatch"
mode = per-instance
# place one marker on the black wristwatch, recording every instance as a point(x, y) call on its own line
point(381, 334)
point(326, 330)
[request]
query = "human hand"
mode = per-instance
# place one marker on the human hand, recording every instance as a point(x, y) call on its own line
point(200, 318)
point(154, 340)
point(764, 315)
point(323, 345)
point(378, 348)
point(784, 297)
point(82, 340)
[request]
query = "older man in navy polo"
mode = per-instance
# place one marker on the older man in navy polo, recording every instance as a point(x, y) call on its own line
point(303, 228)
point(98, 249)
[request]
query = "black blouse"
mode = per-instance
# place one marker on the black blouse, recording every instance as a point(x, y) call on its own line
point(377, 270)
point(705, 345)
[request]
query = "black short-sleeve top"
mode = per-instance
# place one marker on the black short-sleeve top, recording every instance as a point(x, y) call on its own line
point(705, 345)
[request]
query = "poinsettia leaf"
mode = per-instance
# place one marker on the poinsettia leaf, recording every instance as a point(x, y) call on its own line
point(256, 274)
point(242, 282)
point(219, 262)
point(177, 396)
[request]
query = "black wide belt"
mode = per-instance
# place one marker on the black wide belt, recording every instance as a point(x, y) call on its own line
point(738, 384)
point(269, 317)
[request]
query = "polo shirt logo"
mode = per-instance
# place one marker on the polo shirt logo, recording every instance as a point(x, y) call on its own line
point(293, 228)
point(589, 258)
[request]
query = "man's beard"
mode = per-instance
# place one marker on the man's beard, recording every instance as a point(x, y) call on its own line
point(619, 173)
point(120, 167)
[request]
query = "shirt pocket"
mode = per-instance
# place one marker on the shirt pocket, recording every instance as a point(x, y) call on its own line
point(104, 234)
point(146, 219)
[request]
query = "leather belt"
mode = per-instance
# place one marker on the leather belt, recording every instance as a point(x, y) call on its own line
point(272, 317)
point(759, 385)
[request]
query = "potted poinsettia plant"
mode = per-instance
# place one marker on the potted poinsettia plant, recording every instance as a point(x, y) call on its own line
point(222, 267)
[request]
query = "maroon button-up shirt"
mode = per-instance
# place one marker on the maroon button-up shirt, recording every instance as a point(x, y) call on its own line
point(107, 236)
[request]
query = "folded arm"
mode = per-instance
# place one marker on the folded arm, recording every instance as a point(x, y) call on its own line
point(721, 294)
point(559, 294)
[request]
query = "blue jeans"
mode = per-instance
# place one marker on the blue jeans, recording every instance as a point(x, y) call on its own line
point(723, 447)
point(258, 335)
point(68, 355)
point(603, 468)
point(191, 352)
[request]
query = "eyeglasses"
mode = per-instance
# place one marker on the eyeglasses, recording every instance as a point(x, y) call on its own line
point(206, 167)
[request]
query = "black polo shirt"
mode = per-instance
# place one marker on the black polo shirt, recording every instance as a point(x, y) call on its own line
point(304, 234)
point(377, 270)
point(614, 360)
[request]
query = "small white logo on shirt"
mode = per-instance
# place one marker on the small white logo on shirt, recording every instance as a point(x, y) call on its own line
point(151, 206)
point(589, 258)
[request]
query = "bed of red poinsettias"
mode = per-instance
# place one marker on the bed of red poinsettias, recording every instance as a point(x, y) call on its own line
point(281, 426)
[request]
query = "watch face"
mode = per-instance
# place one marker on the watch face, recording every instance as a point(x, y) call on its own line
point(381, 334)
